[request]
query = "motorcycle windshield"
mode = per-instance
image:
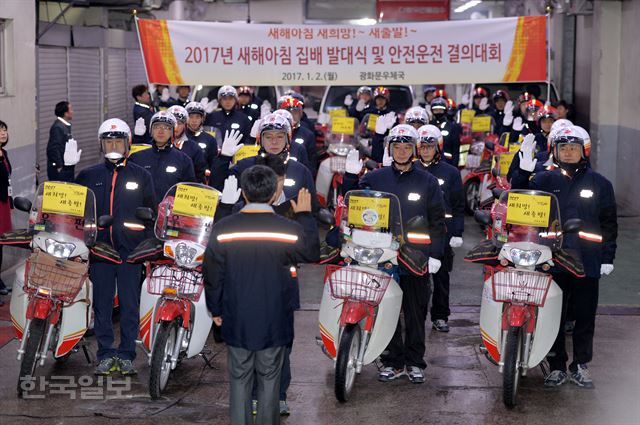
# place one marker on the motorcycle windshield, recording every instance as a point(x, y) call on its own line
point(342, 135)
point(65, 210)
point(368, 126)
point(372, 219)
point(528, 216)
point(187, 212)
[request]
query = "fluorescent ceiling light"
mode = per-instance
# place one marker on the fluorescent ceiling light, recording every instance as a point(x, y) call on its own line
point(363, 21)
point(467, 5)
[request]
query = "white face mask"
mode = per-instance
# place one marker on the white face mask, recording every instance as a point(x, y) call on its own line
point(114, 156)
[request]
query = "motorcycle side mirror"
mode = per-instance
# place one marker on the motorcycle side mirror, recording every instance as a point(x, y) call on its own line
point(105, 221)
point(495, 172)
point(497, 192)
point(144, 214)
point(483, 217)
point(371, 164)
point(325, 217)
point(22, 204)
point(489, 145)
point(572, 225)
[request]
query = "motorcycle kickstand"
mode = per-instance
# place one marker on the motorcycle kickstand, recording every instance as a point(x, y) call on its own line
point(87, 355)
point(544, 368)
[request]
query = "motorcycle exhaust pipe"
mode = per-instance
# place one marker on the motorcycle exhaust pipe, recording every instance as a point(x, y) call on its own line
point(25, 336)
point(322, 347)
point(176, 348)
point(45, 347)
point(525, 357)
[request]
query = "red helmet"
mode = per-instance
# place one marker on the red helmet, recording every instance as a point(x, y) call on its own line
point(547, 111)
point(451, 104)
point(532, 108)
point(289, 103)
point(480, 92)
point(382, 91)
point(245, 90)
point(525, 97)
point(440, 93)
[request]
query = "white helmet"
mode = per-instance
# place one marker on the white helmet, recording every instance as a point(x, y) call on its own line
point(402, 133)
point(227, 91)
point(286, 114)
point(416, 114)
point(179, 113)
point(114, 128)
point(430, 134)
point(560, 123)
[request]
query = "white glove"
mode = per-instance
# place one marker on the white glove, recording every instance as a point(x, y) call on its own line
point(360, 105)
point(518, 125)
point(381, 125)
point(484, 104)
point(507, 120)
point(230, 192)
point(209, 107)
point(152, 88)
point(324, 118)
point(527, 152)
point(165, 95)
point(348, 100)
point(508, 107)
point(354, 163)
point(230, 144)
point(254, 129)
point(140, 129)
point(606, 269)
point(390, 118)
point(386, 158)
point(465, 99)
point(434, 265)
point(265, 109)
point(455, 242)
point(71, 152)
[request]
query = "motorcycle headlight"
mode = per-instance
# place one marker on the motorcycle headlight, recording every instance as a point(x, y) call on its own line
point(187, 256)
point(367, 255)
point(340, 149)
point(59, 249)
point(524, 258)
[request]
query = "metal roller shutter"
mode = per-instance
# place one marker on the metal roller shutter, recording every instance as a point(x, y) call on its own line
point(136, 74)
point(52, 88)
point(117, 93)
point(85, 77)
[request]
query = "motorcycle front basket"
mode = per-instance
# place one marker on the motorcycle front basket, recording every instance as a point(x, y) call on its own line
point(54, 277)
point(520, 286)
point(354, 284)
point(163, 280)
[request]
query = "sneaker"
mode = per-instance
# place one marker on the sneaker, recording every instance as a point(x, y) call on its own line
point(581, 377)
point(284, 408)
point(254, 407)
point(416, 375)
point(555, 379)
point(389, 374)
point(569, 326)
point(106, 366)
point(126, 367)
point(440, 325)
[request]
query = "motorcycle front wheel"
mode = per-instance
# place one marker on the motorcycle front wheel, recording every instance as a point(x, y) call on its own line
point(35, 338)
point(163, 344)
point(511, 370)
point(346, 361)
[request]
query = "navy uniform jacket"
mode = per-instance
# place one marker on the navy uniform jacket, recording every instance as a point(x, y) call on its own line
point(306, 138)
point(419, 195)
point(119, 190)
point(453, 195)
point(359, 115)
point(207, 143)
point(251, 110)
point(451, 132)
point(227, 121)
point(140, 110)
point(248, 277)
point(59, 134)
point(590, 197)
point(196, 154)
point(297, 177)
point(167, 167)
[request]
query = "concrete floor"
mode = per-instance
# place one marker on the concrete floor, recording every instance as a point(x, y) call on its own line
point(462, 386)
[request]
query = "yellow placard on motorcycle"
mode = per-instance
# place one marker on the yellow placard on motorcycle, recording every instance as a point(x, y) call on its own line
point(481, 124)
point(505, 163)
point(64, 198)
point(371, 124)
point(195, 201)
point(528, 210)
point(138, 147)
point(337, 113)
point(464, 151)
point(247, 151)
point(343, 125)
point(368, 212)
point(466, 116)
